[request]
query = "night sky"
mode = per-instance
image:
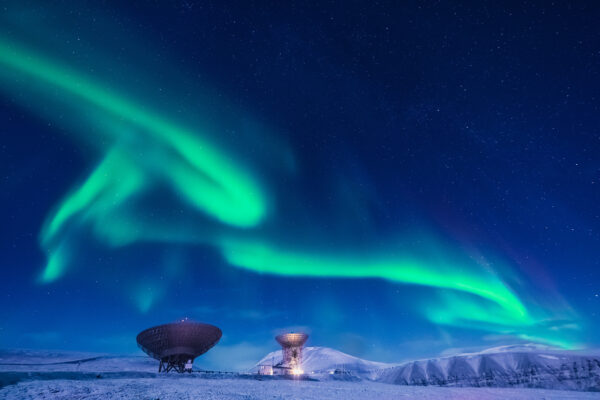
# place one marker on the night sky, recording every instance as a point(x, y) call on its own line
point(398, 179)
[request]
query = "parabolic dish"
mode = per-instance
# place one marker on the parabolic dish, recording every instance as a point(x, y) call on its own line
point(185, 338)
point(292, 339)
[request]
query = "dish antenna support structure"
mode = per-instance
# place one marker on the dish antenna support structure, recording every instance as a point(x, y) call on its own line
point(291, 344)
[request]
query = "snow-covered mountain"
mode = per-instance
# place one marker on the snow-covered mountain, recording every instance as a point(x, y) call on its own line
point(509, 366)
point(528, 365)
point(523, 366)
point(323, 360)
point(523, 347)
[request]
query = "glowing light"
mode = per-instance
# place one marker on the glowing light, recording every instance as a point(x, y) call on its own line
point(57, 261)
point(494, 307)
point(209, 180)
point(199, 171)
point(266, 259)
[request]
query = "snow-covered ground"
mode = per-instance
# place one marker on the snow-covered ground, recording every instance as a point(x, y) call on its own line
point(63, 375)
point(172, 387)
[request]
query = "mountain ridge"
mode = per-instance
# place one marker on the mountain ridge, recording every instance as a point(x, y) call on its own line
point(516, 366)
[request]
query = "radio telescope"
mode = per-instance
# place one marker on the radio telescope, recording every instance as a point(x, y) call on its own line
point(292, 343)
point(176, 345)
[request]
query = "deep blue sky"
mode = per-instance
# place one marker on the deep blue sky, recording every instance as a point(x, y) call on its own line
point(471, 131)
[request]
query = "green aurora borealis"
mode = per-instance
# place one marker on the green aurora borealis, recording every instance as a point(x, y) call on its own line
point(144, 149)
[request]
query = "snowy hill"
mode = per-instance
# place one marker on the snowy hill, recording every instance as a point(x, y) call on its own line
point(323, 360)
point(519, 366)
point(529, 366)
point(38, 360)
point(524, 347)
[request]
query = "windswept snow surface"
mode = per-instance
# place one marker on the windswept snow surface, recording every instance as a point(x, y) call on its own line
point(177, 388)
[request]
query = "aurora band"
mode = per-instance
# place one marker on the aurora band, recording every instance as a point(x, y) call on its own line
point(214, 184)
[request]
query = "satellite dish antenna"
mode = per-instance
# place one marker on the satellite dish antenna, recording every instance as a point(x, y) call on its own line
point(176, 345)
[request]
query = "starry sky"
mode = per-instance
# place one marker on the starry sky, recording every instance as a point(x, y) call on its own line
point(397, 180)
